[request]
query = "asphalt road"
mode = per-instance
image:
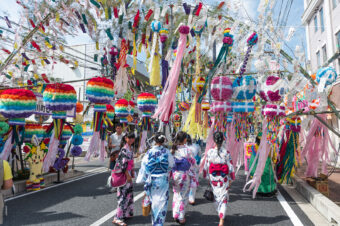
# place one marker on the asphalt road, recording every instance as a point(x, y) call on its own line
point(87, 201)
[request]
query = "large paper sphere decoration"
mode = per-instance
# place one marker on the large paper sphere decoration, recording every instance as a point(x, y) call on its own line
point(121, 108)
point(33, 129)
point(273, 110)
point(99, 90)
point(205, 106)
point(60, 97)
point(273, 89)
point(110, 111)
point(197, 84)
point(79, 107)
point(244, 88)
point(221, 88)
point(220, 106)
point(328, 74)
point(156, 26)
point(17, 104)
point(240, 107)
point(147, 103)
point(184, 106)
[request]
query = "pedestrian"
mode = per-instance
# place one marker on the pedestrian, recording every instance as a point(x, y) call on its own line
point(114, 141)
point(221, 172)
point(196, 153)
point(154, 172)
point(182, 174)
point(6, 183)
point(125, 163)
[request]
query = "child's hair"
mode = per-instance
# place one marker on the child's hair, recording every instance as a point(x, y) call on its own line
point(218, 139)
point(189, 140)
point(129, 135)
point(159, 138)
point(179, 139)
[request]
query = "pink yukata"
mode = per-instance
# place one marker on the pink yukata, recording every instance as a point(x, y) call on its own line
point(183, 175)
point(220, 169)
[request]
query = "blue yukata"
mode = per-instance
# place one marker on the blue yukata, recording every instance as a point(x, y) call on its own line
point(154, 172)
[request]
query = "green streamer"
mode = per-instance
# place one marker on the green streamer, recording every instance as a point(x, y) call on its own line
point(95, 3)
point(84, 18)
point(108, 32)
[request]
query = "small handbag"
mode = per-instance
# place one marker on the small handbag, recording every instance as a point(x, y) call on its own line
point(118, 179)
point(209, 195)
point(146, 206)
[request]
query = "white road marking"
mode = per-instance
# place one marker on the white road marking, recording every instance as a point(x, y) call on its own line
point(295, 220)
point(91, 173)
point(113, 213)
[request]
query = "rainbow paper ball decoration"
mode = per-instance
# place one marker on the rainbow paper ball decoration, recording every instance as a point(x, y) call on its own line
point(197, 84)
point(273, 110)
point(205, 106)
point(99, 90)
point(184, 106)
point(221, 88)
point(228, 38)
point(244, 88)
point(328, 74)
point(60, 97)
point(220, 107)
point(110, 111)
point(147, 103)
point(33, 129)
point(163, 34)
point(121, 108)
point(17, 104)
point(240, 107)
point(273, 89)
point(66, 134)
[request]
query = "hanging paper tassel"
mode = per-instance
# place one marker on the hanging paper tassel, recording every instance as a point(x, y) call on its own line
point(7, 147)
point(121, 81)
point(154, 66)
point(209, 144)
point(142, 146)
point(191, 126)
point(95, 140)
point(52, 152)
point(167, 101)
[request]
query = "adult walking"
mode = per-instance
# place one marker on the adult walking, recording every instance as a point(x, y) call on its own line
point(6, 182)
point(125, 163)
point(196, 153)
point(220, 169)
point(183, 174)
point(154, 172)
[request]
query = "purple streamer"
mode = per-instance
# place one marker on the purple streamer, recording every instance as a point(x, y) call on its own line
point(25, 56)
point(82, 28)
point(8, 22)
point(165, 71)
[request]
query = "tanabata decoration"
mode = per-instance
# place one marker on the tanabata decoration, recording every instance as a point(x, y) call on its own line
point(205, 109)
point(154, 66)
point(122, 76)
point(61, 161)
point(16, 105)
point(289, 151)
point(131, 109)
point(99, 90)
point(79, 107)
point(110, 112)
point(58, 98)
point(316, 149)
point(122, 110)
point(166, 105)
point(325, 77)
point(66, 134)
point(146, 103)
point(272, 92)
point(77, 140)
point(35, 151)
point(177, 120)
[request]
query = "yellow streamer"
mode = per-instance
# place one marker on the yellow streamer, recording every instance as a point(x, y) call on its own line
point(190, 126)
point(198, 70)
point(57, 17)
point(97, 45)
point(134, 53)
point(48, 45)
point(155, 74)
point(36, 76)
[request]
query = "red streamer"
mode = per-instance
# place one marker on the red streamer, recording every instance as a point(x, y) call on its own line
point(199, 9)
point(35, 45)
point(148, 15)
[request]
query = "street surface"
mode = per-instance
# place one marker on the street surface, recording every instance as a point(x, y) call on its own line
point(86, 201)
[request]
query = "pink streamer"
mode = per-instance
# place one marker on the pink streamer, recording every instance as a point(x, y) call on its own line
point(93, 145)
point(52, 153)
point(262, 155)
point(210, 144)
point(166, 103)
point(7, 147)
point(142, 146)
point(102, 150)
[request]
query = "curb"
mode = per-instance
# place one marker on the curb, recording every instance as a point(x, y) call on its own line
point(20, 186)
point(321, 203)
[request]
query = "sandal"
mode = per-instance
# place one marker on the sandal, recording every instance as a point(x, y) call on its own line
point(119, 222)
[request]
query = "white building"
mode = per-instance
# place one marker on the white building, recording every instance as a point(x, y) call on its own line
point(322, 21)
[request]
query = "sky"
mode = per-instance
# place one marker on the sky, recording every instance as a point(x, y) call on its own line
point(10, 8)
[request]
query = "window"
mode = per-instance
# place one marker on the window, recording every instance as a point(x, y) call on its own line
point(338, 40)
point(321, 20)
point(318, 58)
point(315, 23)
point(335, 2)
point(324, 54)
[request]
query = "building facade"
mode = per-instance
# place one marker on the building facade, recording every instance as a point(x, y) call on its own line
point(322, 21)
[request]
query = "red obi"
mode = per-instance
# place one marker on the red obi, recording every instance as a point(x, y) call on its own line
point(219, 169)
